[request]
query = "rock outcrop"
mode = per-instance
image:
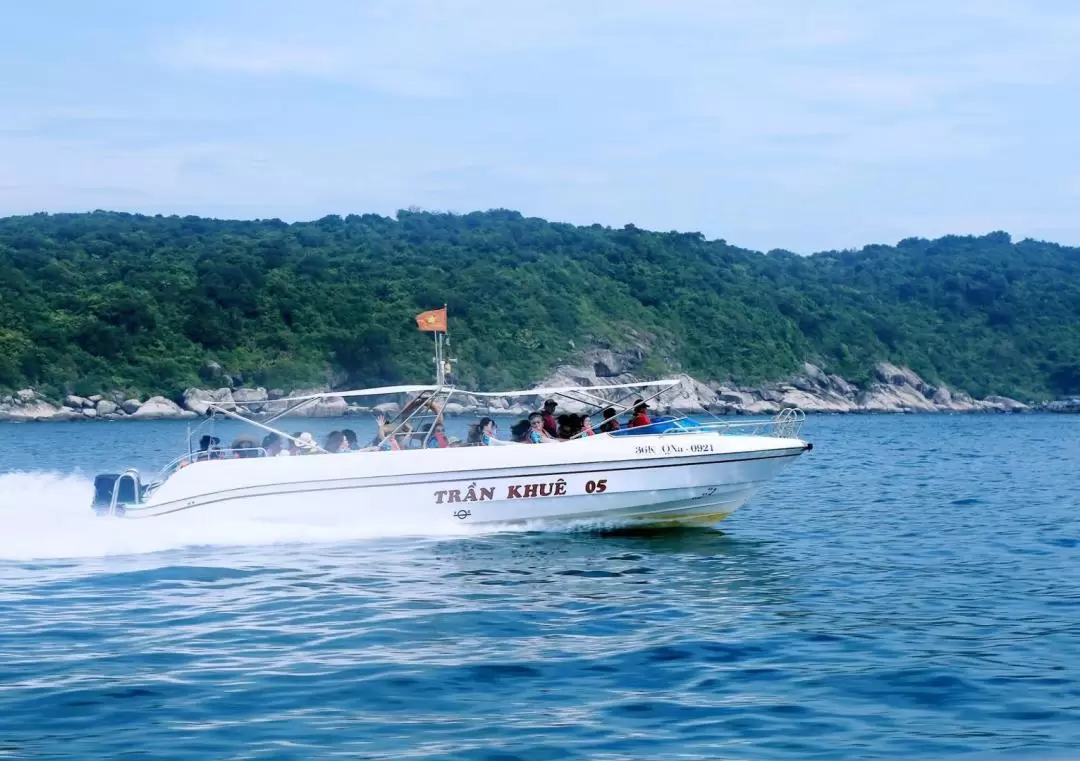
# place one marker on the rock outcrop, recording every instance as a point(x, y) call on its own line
point(1063, 405)
point(198, 400)
point(160, 408)
point(27, 406)
point(251, 399)
point(330, 406)
point(891, 389)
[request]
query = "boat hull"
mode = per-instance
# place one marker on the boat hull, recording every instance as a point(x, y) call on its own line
point(654, 480)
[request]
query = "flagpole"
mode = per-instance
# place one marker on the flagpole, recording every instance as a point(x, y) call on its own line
point(439, 379)
point(445, 364)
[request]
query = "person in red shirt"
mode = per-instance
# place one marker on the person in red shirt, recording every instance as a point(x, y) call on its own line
point(611, 423)
point(548, 416)
point(641, 417)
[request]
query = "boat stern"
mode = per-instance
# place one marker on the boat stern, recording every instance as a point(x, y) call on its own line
point(114, 492)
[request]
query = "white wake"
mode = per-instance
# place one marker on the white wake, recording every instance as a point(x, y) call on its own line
point(47, 515)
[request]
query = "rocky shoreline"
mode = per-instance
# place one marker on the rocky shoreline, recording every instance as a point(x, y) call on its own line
point(892, 390)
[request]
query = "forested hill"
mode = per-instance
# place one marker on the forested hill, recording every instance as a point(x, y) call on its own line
point(90, 302)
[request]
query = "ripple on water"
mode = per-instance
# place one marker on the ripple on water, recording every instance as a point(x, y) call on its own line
point(907, 590)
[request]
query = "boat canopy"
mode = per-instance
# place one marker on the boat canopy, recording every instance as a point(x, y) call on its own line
point(420, 408)
point(387, 390)
point(575, 389)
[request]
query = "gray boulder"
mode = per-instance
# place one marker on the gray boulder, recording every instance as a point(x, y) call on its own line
point(198, 400)
point(105, 407)
point(1064, 406)
point(387, 408)
point(1005, 404)
point(250, 399)
point(39, 410)
point(160, 408)
point(331, 406)
point(130, 406)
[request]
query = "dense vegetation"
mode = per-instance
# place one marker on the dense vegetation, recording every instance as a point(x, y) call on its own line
point(91, 302)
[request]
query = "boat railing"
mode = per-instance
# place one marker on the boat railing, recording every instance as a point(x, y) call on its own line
point(786, 424)
point(789, 422)
point(131, 476)
point(215, 454)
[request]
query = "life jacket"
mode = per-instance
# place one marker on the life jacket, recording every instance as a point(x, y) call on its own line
point(441, 442)
point(639, 419)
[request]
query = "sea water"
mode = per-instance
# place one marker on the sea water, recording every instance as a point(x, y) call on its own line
point(908, 589)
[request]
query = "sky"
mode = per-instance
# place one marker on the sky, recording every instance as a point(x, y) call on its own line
point(786, 124)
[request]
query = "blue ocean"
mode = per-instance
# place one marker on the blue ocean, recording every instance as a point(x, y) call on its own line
point(908, 589)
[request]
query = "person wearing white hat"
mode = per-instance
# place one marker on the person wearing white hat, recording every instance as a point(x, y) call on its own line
point(305, 443)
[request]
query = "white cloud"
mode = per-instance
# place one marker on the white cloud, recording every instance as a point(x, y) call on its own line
point(774, 123)
point(224, 54)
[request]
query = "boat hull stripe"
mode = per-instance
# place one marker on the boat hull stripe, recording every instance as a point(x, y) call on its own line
point(327, 484)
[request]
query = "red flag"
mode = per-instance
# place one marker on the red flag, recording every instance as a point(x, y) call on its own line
point(434, 320)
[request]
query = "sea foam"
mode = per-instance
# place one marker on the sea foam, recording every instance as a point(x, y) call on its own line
point(47, 515)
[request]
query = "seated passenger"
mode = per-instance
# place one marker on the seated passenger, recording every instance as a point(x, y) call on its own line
point(641, 417)
point(383, 440)
point(519, 430)
point(586, 426)
point(244, 446)
point(483, 434)
point(548, 416)
point(305, 444)
point(271, 444)
point(569, 426)
point(562, 427)
point(334, 442)
point(611, 423)
point(209, 448)
point(537, 434)
point(351, 444)
point(438, 439)
point(429, 436)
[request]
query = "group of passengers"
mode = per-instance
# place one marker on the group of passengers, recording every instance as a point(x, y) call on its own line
point(539, 428)
point(543, 427)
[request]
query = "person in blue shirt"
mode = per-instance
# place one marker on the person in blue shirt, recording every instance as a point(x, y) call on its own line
point(537, 433)
point(483, 434)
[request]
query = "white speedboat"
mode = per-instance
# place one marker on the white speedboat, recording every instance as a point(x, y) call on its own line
point(674, 471)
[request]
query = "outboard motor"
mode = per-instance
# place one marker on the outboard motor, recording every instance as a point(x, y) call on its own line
point(114, 491)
